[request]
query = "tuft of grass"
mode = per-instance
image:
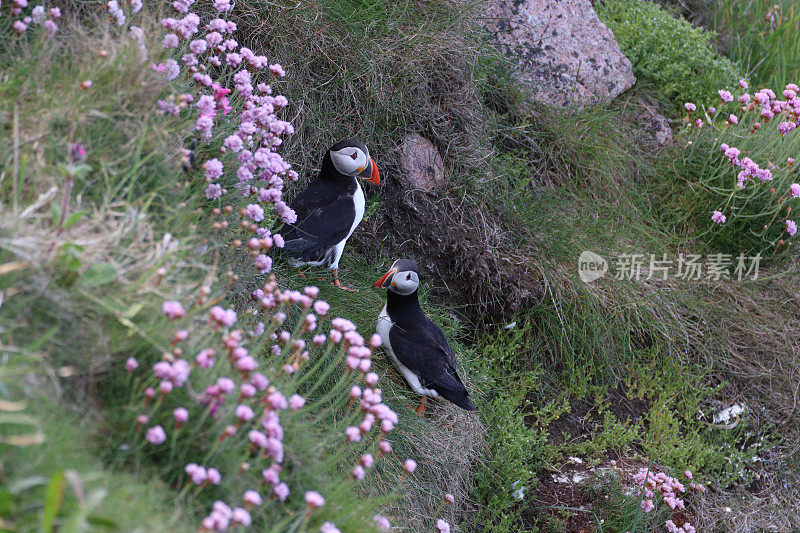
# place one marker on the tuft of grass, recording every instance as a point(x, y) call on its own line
point(761, 36)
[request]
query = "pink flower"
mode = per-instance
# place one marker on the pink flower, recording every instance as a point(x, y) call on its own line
point(688, 474)
point(410, 465)
point(214, 191)
point(690, 107)
point(281, 490)
point(277, 70)
point(371, 379)
point(647, 505)
point(314, 499)
point(241, 516)
point(257, 438)
point(329, 527)
point(698, 123)
point(794, 190)
point(155, 435)
point(296, 402)
point(170, 41)
point(255, 212)
point(173, 309)
point(353, 434)
point(358, 472)
point(732, 119)
point(214, 169)
point(786, 127)
point(321, 307)
point(132, 364)
point(791, 227)
point(385, 446)
point(743, 84)
point(725, 96)
point(743, 98)
point(449, 498)
point(712, 110)
point(718, 217)
point(223, 317)
point(213, 476)
point(142, 419)
point(382, 522)
point(244, 413)
point(442, 526)
point(181, 415)
point(251, 497)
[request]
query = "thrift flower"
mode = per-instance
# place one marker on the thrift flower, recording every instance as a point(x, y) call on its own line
point(314, 499)
point(382, 522)
point(410, 465)
point(281, 490)
point(794, 190)
point(181, 415)
point(791, 227)
point(296, 402)
point(442, 526)
point(173, 309)
point(132, 364)
point(329, 527)
point(690, 107)
point(252, 498)
point(155, 435)
point(725, 96)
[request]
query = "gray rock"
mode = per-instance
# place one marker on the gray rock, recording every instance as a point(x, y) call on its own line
point(562, 49)
point(421, 164)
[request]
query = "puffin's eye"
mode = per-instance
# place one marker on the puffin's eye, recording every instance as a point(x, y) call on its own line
point(354, 156)
point(408, 277)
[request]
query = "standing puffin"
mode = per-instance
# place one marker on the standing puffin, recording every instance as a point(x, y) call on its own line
point(331, 207)
point(417, 346)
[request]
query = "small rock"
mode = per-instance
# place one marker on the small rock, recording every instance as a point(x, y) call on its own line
point(562, 48)
point(422, 165)
point(655, 126)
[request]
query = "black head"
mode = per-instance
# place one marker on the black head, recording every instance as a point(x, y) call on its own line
point(402, 278)
point(351, 158)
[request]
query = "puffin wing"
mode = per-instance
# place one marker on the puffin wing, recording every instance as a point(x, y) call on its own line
point(325, 214)
point(425, 351)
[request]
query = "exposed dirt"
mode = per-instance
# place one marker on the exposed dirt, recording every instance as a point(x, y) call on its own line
point(456, 242)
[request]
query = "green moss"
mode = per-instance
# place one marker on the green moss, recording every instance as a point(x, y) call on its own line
point(679, 60)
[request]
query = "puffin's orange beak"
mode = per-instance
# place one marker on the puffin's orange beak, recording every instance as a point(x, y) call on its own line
point(384, 282)
point(375, 176)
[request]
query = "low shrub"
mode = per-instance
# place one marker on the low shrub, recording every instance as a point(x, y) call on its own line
point(678, 59)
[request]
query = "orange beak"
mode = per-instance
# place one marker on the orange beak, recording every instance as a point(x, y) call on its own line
point(384, 282)
point(375, 176)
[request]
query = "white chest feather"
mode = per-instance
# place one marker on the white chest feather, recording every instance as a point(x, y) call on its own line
point(360, 203)
point(382, 329)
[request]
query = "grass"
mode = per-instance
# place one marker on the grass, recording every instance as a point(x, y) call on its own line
point(767, 49)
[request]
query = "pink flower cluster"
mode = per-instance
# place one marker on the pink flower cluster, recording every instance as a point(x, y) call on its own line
point(38, 16)
point(651, 483)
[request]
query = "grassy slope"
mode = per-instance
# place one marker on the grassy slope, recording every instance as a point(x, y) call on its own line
point(584, 349)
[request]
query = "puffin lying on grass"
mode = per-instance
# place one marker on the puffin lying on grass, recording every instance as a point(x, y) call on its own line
point(417, 346)
point(331, 207)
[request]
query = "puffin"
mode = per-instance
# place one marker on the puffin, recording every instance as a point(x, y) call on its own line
point(417, 346)
point(330, 208)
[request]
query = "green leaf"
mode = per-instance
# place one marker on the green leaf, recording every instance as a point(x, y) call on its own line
point(102, 521)
point(55, 210)
point(99, 274)
point(20, 486)
point(54, 497)
point(73, 218)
